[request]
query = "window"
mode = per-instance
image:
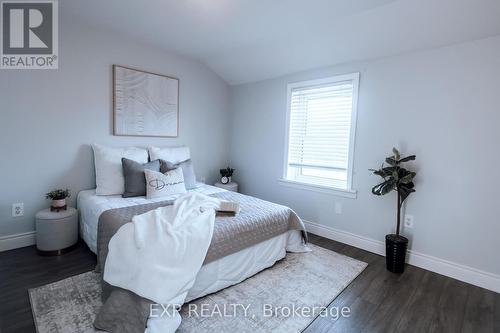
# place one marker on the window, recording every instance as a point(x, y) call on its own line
point(320, 138)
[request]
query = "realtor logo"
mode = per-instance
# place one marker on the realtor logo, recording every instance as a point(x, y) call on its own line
point(29, 35)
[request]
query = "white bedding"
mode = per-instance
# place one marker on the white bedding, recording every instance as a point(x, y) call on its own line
point(212, 277)
point(91, 206)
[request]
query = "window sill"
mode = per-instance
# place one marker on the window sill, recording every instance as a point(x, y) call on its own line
point(352, 194)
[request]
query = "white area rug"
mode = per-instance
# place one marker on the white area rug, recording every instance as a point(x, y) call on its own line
point(269, 301)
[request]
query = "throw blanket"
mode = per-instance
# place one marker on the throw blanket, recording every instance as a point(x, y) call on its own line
point(258, 221)
point(158, 255)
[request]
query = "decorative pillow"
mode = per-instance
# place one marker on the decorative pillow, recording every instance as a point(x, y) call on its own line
point(108, 167)
point(187, 171)
point(170, 154)
point(160, 185)
point(135, 180)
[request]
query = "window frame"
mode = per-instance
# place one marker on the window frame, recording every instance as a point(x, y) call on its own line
point(349, 192)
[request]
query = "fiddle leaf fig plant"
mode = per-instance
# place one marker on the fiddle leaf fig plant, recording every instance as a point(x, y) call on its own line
point(395, 178)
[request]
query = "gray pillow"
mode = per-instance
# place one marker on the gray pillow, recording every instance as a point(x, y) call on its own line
point(135, 181)
point(187, 171)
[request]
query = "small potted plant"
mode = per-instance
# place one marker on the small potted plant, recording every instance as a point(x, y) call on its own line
point(398, 179)
point(58, 198)
point(226, 175)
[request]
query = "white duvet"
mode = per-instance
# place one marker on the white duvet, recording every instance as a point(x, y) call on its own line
point(166, 244)
point(91, 206)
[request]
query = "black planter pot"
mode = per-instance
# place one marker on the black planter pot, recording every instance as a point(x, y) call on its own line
point(395, 252)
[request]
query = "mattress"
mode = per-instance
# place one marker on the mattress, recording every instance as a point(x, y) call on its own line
point(91, 206)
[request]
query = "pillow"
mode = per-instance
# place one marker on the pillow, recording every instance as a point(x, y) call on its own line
point(187, 171)
point(108, 167)
point(160, 185)
point(135, 181)
point(170, 154)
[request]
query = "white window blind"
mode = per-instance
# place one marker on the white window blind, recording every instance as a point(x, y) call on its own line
point(320, 135)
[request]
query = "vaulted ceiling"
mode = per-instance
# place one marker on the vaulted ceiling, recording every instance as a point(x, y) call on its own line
point(251, 40)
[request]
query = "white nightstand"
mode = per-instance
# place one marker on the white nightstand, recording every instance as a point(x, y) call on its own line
point(231, 186)
point(56, 232)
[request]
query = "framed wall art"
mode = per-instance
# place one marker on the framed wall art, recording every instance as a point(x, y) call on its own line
point(144, 103)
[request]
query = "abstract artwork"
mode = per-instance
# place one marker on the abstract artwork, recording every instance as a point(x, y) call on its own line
point(145, 104)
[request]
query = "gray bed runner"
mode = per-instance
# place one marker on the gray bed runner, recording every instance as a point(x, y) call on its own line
point(259, 220)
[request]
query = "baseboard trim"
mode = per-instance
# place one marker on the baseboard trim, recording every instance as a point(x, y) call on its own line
point(454, 270)
point(11, 242)
point(448, 268)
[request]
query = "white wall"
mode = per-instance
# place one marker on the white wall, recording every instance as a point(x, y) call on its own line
point(48, 118)
point(442, 105)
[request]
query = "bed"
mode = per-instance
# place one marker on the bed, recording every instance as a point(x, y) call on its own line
point(227, 268)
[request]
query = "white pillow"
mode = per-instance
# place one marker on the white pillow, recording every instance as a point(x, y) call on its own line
point(173, 155)
point(108, 167)
point(163, 184)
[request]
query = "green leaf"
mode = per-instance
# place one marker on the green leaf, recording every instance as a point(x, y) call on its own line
point(391, 161)
point(405, 190)
point(387, 187)
point(376, 189)
point(384, 187)
point(390, 170)
point(408, 178)
point(408, 158)
point(396, 154)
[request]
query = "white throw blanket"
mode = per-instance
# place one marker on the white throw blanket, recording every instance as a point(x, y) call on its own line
point(158, 254)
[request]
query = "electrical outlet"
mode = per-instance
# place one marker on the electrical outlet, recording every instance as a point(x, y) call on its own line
point(408, 221)
point(338, 208)
point(17, 209)
point(202, 179)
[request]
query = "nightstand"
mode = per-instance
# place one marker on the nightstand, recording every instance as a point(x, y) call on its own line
point(231, 186)
point(56, 232)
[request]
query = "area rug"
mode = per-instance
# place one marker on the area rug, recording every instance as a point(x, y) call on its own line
point(283, 298)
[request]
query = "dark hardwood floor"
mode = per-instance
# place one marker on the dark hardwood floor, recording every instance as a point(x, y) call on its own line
point(23, 269)
point(416, 301)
